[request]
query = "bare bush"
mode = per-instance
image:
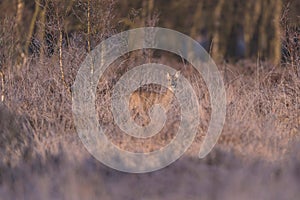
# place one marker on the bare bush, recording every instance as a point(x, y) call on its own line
point(290, 42)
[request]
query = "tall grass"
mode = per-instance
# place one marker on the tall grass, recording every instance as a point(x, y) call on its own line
point(41, 156)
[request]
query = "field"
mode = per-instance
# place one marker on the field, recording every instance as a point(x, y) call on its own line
point(42, 46)
point(256, 156)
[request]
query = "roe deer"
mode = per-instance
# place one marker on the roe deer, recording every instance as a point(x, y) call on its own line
point(140, 102)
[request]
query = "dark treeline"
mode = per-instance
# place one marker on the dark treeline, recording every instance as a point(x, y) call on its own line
point(229, 30)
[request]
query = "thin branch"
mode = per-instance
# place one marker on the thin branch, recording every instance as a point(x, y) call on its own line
point(2, 86)
point(60, 53)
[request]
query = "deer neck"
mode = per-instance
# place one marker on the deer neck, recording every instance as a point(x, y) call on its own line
point(167, 97)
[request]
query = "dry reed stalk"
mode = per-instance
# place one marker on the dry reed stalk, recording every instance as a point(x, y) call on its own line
point(2, 86)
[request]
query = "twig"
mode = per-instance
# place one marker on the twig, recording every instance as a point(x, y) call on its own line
point(2, 86)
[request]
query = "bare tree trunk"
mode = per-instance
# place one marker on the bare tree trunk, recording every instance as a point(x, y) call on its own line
point(263, 30)
point(89, 28)
point(19, 16)
point(42, 30)
point(216, 54)
point(89, 36)
point(150, 7)
point(248, 22)
point(32, 26)
point(197, 21)
point(144, 13)
point(275, 46)
point(20, 9)
point(89, 40)
point(18, 25)
point(60, 40)
point(252, 24)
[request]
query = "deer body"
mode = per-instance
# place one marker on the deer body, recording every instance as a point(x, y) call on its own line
point(141, 102)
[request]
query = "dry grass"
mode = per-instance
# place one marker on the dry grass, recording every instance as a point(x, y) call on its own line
point(41, 156)
point(256, 156)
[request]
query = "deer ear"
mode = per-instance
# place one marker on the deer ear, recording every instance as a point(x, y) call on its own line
point(177, 74)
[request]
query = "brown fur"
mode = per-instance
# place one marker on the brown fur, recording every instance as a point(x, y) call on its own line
point(142, 101)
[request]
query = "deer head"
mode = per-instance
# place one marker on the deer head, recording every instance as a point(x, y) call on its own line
point(172, 80)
